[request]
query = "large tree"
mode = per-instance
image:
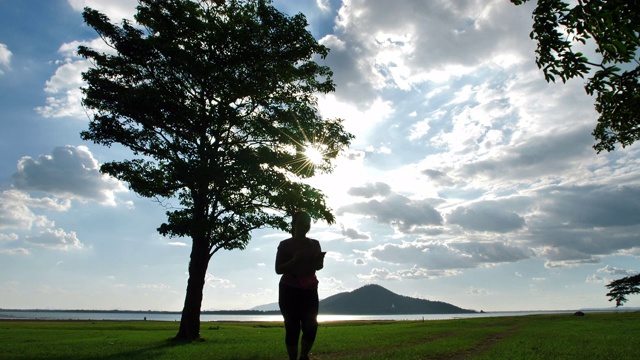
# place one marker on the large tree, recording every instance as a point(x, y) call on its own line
point(619, 289)
point(611, 28)
point(217, 101)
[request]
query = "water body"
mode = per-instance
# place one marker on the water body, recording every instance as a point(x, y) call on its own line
point(166, 316)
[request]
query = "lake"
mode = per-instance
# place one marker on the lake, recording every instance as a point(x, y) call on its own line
point(171, 316)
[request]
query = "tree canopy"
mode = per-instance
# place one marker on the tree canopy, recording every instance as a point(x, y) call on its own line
point(610, 28)
point(217, 101)
point(619, 289)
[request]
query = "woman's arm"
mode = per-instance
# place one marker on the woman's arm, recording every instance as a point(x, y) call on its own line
point(283, 265)
point(319, 261)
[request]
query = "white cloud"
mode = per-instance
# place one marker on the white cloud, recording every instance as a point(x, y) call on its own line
point(596, 279)
point(216, 282)
point(378, 44)
point(17, 251)
point(417, 272)
point(331, 285)
point(56, 239)
point(8, 237)
point(324, 5)
point(5, 57)
point(178, 243)
point(612, 270)
point(69, 172)
point(64, 86)
point(116, 10)
point(16, 210)
point(65, 98)
point(70, 49)
point(570, 263)
point(156, 287)
point(475, 292)
point(356, 121)
point(378, 275)
point(414, 273)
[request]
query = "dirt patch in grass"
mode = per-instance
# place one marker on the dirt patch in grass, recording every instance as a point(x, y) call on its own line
point(484, 345)
point(466, 354)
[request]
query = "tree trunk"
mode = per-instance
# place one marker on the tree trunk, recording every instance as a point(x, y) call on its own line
point(190, 320)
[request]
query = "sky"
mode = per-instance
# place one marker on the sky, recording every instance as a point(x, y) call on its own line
point(470, 180)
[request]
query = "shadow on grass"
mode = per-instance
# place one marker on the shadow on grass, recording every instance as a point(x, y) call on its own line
point(159, 350)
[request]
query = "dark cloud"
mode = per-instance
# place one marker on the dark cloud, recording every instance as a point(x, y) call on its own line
point(346, 62)
point(538, 156)
point(353, 234)
point(370, 190)
point(397, 210)
point(438, 177)
point(561, 244)
point(454, 255)
point(486, 216)
point(68, 172)
point(578, 224)
point(354, 154)
point(593, 206)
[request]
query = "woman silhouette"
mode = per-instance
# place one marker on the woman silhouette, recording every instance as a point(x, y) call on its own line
point(297, 260)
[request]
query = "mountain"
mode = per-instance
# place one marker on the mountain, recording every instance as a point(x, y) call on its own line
point(267, 307)
point(376, 300)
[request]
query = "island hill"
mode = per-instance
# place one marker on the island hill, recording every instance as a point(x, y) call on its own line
point(376, 300)
point(367, 300)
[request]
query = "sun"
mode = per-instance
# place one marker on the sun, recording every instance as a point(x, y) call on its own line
point(314, 154)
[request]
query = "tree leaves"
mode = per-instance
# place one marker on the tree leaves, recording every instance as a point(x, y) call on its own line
point(612, 27)
point(218, 100)
point(619, 289)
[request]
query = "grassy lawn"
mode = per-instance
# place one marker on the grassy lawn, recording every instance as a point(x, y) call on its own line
point(558, 336)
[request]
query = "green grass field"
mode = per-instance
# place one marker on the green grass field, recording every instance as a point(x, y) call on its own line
point(558, 336)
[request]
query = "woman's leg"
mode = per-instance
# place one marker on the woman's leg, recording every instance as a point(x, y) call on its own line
point(289, 307)
point(309, 322)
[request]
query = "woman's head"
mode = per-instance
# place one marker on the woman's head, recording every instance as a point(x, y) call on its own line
point(300, 223)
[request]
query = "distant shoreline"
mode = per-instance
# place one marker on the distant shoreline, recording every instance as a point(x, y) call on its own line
point(252, 315)
point(205, 312)
point(277, 312)
point(230, 312)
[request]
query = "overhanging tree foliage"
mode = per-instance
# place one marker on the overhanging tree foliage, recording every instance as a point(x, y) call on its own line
point(619, 289)
point(216, 99)
point(613, 28)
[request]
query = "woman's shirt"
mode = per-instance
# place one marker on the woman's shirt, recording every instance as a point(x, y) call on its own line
point(302, 274)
